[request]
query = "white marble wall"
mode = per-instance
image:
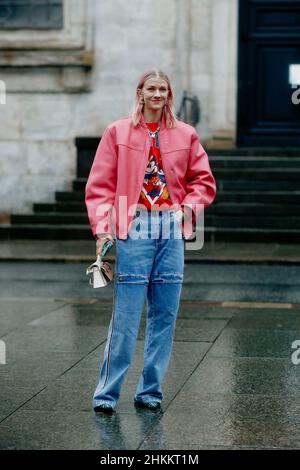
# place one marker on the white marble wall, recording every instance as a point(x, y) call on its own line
point(194, 41)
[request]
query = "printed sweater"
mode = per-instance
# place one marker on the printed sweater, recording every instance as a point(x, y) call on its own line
point(154, 190)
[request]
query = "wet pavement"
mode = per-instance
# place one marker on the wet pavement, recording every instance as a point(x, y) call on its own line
point(231, 382)
point(80, 250)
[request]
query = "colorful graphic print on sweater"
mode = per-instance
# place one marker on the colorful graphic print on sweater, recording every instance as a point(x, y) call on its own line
point(154, 190)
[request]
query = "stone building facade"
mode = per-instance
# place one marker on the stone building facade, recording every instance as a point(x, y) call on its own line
point(72, 77)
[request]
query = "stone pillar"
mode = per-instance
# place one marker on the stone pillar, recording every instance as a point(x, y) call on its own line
point(224, 47)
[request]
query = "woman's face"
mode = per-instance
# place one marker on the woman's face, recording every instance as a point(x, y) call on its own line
point(155, 93)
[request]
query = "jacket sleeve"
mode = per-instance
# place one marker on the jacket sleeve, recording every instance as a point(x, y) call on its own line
point(101, 185)
point(200, 182)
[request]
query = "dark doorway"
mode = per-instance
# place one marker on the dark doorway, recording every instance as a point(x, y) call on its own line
point(269, 73)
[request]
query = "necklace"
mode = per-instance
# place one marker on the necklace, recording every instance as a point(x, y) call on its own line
point(154, 135)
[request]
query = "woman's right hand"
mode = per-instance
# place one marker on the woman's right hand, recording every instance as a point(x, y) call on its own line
point(101, 241)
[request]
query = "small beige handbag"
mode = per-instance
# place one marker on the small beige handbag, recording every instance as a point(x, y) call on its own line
point(102, 273)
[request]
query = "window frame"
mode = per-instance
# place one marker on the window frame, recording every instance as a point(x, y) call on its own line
point(23, 47)
point(24, 21)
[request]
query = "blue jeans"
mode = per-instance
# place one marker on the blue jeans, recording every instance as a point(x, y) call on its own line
point(149, 264)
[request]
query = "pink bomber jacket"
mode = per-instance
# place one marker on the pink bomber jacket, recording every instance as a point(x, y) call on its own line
point(116, 177)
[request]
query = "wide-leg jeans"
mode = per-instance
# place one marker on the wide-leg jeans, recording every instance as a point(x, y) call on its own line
point(149, 266)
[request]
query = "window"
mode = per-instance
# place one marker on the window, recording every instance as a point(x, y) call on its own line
point(41, 14)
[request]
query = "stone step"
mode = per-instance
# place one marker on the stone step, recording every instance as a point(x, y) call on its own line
point(5, 231)
point(248, 221)
point(254, 162)
point(249, 185)
point(213, 219)
point(253, 235)
point(50, 218)
point(241, 157)
point(256, 152)
point(69, 196)
point(59, 207)
point(257, 174)
point(50, 232)
point(253, 209)
point(233, 173)
point(236, 206)
point(266, 197)
point(79, 184)
point(83, 232)
point(263, 197)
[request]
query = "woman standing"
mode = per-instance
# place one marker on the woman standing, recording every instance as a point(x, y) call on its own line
point(149, 180)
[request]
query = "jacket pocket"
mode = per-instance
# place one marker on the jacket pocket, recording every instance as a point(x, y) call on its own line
point(177, 161)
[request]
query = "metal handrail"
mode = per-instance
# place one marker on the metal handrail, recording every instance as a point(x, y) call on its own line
point(191, 116)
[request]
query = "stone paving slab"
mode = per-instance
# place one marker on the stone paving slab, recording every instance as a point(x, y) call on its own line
point(81, 250)
point(227, 420)
point(14, 313)
point(255, 342)
point(67, 282)
point(36, 429)
point(231, 383)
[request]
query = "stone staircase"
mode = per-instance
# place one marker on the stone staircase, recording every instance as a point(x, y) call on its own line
point(258, 200)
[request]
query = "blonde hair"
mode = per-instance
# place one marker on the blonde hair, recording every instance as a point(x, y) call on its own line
point(168, 111)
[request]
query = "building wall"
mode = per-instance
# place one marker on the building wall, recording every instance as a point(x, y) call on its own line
point(73, 83)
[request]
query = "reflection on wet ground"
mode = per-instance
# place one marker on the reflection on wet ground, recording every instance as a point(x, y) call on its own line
point(231, 382)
